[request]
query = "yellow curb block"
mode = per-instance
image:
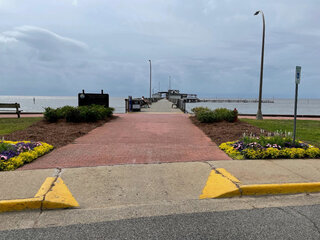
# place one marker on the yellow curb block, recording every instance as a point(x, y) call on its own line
point(20, 204)
point(59, 197)
point(219, 186)
point(285, 188)
point(53, 194)
point(222, 184)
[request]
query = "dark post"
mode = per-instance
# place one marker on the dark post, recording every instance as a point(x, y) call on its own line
point(297, 79)
point(295, 114)
point(150, 82)
point(101, 91)
point(259, 113)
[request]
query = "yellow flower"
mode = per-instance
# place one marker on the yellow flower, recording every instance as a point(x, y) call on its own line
point(24, 157)
point(313, 152)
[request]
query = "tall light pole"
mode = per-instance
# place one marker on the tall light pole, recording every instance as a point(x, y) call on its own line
point(259, 113)
point(150, 82)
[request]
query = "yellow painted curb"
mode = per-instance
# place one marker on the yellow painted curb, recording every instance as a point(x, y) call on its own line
point(228, 175)
point(20, 204)
point(218, 186)
point(45, 187)
point(52, 194)
point(286, 188)
point(222, 184)
point(59, 197)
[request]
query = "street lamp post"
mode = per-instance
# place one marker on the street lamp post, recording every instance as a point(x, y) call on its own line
point(259, 113)
point(150, 82)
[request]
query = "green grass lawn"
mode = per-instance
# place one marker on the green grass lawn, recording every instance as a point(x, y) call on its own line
point(9, 125)
point(307, 130)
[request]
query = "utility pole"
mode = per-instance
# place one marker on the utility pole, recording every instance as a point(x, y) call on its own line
point(150, 82)
point(259, 112)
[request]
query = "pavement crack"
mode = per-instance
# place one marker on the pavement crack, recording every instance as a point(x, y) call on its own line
point(231, 180)
point(37, 220)
point(309, 219)
point(211, 165)
point(302, 215)
point(56, 175)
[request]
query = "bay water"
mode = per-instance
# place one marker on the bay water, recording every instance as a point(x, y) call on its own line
point(280, 106)
point(39, 103)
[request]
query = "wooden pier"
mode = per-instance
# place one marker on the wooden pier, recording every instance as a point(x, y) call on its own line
point(161, 106)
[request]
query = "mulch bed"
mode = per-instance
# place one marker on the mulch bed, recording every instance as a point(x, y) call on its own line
point(221, 132)
point(56, 134)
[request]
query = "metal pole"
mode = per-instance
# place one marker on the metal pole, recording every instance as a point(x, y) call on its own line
point(259, 112)
point(150, 82)
point(295, 114)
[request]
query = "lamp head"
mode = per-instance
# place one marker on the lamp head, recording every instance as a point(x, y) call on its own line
point(256, 13)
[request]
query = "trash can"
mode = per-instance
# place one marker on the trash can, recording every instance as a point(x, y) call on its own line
point(136, 106)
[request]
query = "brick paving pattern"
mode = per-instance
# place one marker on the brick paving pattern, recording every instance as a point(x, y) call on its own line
point(135, 138)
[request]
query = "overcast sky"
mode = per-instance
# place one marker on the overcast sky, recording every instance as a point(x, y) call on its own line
point(208, 47)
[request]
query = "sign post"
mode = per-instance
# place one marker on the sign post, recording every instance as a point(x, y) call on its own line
point(297, 78)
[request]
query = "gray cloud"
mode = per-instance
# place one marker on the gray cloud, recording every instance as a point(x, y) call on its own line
point(209, 47)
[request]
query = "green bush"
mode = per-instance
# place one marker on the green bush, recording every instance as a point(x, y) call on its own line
point(73, 115)
point(51, 115)
point(90, 113)
point(62, 112)
point(197, 110)
point(221, 114)
point(205, 115)
point(224, 114)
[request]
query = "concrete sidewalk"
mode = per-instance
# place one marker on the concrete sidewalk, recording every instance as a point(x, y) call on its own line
point(106, 186)
point(272, 171)
point(126, 191)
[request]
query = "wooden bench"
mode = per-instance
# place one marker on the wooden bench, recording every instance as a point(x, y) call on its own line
point(11, 105)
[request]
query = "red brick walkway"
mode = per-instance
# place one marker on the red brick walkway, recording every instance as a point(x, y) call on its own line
point(135, 138)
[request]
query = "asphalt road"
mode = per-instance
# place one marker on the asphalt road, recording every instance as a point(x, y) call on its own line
point(301, 222)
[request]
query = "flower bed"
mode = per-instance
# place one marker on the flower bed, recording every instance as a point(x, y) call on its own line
point(16, 154)
point(269, 148)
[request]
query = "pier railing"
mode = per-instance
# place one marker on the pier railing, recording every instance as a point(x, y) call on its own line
point(180, 103)
point(235, 100)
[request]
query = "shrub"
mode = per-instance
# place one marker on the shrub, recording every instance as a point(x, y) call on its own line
point(73, 115)
point(205, 115)
point(197, 110)
point(90, 113)
point(62, 112)
point(51, 115)
point(223, 114)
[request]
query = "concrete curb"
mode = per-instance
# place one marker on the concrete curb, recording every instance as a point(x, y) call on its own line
point(221, 184)
point(53, 194)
